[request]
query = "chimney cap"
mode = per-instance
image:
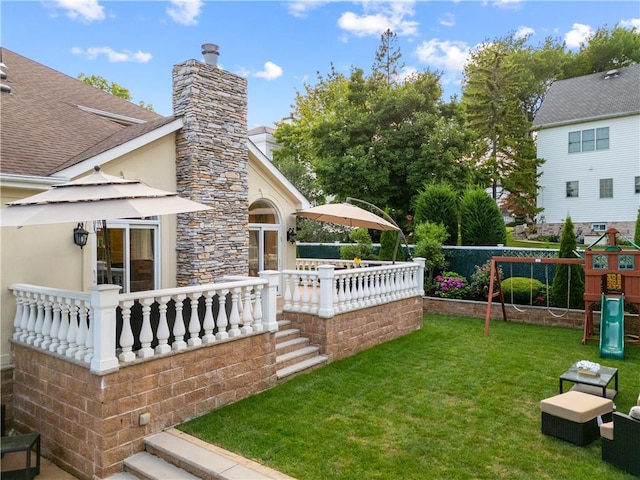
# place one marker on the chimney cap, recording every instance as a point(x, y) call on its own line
point(211, 51)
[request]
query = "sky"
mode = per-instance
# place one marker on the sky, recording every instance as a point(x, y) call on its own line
point(281, 45)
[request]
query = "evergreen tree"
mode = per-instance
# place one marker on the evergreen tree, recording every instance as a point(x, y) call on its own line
point(561, 284)
point(388, 55)
point(480, 220)
point(388, 241)
point(636, 238)
point(438, 203)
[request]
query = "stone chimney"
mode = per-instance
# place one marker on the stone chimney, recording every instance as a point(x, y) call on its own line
point(211, 168)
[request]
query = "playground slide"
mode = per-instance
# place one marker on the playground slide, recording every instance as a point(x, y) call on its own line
point(612, 327)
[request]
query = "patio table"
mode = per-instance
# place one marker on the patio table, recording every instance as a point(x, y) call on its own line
point(593, 384)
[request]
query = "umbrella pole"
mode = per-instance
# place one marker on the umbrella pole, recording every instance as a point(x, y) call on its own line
point(107, 251)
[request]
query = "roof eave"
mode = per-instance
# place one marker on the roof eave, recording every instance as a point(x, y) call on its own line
point(585, 120)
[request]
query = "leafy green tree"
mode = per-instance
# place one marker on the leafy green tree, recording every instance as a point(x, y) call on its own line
point(480, 220)
point(363, 247)
point(111, 87)
point(438, 203)
point(636, 237)
point(387, 62)
point(562, 287)
point(429, 238)
point(388, 242)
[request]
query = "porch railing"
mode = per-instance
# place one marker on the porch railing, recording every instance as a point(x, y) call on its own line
point(328, 287)
point(106, 330)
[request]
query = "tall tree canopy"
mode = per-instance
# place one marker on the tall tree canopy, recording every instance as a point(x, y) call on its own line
point(375, 137)
point(110, 87)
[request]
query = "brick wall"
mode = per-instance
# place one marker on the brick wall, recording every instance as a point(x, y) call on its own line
point(349, 333)
point(89, 423)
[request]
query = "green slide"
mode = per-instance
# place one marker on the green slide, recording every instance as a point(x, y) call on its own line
point(612, 327)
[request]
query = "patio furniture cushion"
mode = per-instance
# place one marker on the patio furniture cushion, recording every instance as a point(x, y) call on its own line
point(606, 430)
point(576, 406)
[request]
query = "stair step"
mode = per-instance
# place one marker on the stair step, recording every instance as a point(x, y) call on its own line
point(283, 323)
point(296, 356)
point(146, 466)
point(290, 345)
point(123, 476)
point(287, 332)
point(302, 366)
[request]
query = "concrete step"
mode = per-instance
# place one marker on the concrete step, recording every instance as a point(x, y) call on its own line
point(291, 345)
point(296, 356)
point(145, 466)
point(303, 366)
point(281, 335)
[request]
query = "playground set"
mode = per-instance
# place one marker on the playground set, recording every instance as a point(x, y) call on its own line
point(612, 279)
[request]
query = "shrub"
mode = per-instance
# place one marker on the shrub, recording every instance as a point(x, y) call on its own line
point(636, 237)
point(451, 285)
point(429, 238)
point(480, 278)
point(524, 291)
point(480, 220)
point(438, 203)
point(363, 247)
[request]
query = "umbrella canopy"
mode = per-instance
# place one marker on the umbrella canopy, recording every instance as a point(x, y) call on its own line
point(346, 214)
point(97, 196)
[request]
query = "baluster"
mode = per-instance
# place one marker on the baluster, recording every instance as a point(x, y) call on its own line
point(247, 316)
point(305, 293)
point(208, 323)
point(360, 289)
point(163, 327)
point(89, 342)
point(367, 288)
point(178, 326)
point(348, 285)
point(221, 322)
point(72, 333)
point(64, 326)
point(287, 291)
point(342, 297)
point(17, 320)
point(296, 294)
point(257, 310)
point(146, 332)
point(194, 322)
point(45, 339)
point(35, 322)
point(126, 336)
point(28, 313)
point(234, 317)
point(314, 294)
point(81, 338)
point(55, 325)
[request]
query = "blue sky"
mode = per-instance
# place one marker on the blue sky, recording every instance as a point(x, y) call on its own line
point(278, 46)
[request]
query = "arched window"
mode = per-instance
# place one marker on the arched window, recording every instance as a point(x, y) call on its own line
point(264, 228)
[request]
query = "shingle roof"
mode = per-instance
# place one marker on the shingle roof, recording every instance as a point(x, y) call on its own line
point(42, 128)
point(591, 97)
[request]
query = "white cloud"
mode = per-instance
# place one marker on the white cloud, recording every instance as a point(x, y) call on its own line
point(271, 71)
point(447, 20)
point(112, 56)
point(577, 35)
point(631, 24)
point(83, 10)
point(300, 9)
point(522, 32)
point(380, 16)
point(512, 4)
point(185, 12)
point(447, 55)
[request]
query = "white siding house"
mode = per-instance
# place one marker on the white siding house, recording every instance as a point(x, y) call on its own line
point(589, 136)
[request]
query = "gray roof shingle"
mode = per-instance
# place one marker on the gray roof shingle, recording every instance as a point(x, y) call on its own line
point(42, 128)
point(591, 97)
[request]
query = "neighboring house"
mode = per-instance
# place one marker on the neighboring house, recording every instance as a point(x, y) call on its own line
point(56, 128)
point(589, 136)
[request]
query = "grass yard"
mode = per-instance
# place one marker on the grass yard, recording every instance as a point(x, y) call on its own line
point(442, 403)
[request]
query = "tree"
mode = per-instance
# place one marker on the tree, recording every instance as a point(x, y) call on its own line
point(388, 57)
point(636, 238)
point(562, 287)
point(111, 87)
point(429, 238)
point(480, 220)
point(388, 242)
point(438, 203)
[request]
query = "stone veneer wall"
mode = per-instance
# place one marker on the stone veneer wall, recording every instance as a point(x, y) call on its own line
point(211, 168)
point(89, 423)
point(349, 333)
point(584, 229)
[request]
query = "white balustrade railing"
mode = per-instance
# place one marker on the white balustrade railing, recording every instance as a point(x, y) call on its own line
point(82, 326)
point(323, 290)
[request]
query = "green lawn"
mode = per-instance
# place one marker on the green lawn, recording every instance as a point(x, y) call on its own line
point(442, 403)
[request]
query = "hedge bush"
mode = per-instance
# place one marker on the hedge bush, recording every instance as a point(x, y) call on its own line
point(526, 291)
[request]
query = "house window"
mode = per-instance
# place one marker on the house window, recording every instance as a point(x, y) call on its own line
point(599, 227)
point(606, 188)
point(572, 189)
point(589, 140)
point(264, 228)
point(637, 184)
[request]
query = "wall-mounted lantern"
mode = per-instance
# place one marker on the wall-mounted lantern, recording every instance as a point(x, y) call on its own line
point(80, 236)
point(291, 235)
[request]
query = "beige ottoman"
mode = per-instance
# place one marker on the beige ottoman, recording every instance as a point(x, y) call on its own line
point(573, 416)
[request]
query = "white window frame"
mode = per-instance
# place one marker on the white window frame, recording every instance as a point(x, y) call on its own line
point(599, 227)
point(596, 139)
point(606, 188)
point(571, 186)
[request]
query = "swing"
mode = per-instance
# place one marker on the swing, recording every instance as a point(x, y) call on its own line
point(530, 289)
point(546, 275)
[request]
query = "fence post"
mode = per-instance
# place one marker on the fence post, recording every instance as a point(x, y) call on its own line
point(269, 299)
point(104, 301)
point(326, 275)
point(420, 277)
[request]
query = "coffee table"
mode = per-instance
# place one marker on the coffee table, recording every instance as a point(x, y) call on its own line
point(593, 384)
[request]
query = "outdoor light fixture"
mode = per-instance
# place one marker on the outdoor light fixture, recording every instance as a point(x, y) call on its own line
point(80, 236)
point(291, 235)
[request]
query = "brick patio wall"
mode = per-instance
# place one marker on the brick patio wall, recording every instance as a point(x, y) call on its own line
point(349, 333)
point(90, 424)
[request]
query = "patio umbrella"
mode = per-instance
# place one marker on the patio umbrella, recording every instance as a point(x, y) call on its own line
point(97, 196)
point(346, 214)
